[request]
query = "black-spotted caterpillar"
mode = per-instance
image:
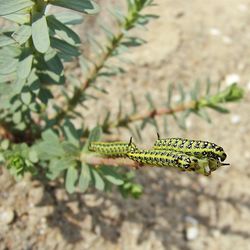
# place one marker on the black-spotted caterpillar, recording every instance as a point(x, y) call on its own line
point(160, 158)
point(199, 149)
point(168, 158)
point(112, 149)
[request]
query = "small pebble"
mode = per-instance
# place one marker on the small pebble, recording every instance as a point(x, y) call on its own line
point(7, 216)
point(191, 228)
point(215, 32)
point(242, 7)
point(231, 79)
point(226, 39)
point(235, 119)
point(216, 233)
point(248, 86)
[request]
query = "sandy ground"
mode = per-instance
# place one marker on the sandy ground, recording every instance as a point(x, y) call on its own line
point(191, 40)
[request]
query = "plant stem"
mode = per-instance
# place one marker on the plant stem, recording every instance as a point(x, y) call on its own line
point(151, 114)
point(115, 162)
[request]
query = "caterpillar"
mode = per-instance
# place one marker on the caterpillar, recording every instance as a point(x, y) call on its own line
point(112, 149)
point(199, 149)
point(163, 157)
point(168, 158)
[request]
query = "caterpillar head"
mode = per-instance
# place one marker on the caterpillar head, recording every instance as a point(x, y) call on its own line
point(207, 166)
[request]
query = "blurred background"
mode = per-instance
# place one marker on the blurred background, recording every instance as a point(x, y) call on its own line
point(190, 41)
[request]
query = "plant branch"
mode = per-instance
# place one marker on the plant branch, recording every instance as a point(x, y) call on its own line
point(151, 114)
point(115, 162)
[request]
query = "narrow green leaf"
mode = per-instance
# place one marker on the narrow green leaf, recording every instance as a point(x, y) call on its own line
point(170, 93)
point(112, 176)
point(71, 178)
point(150, 101)
point(86, 6)
point(98, 181)
point(134, 104)
point(219, 108)
point(85, 177)
point(22, 34)
point(203, 114)
point(10, 6)
point(71, 133)
point(40, 32)
point(94, 135)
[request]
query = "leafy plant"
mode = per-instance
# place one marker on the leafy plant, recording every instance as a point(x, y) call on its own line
point(37, 130)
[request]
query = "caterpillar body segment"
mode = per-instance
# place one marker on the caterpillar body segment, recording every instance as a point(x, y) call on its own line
point(111, 149)
point(183, 162)
point(199, 149)
point(161, 158)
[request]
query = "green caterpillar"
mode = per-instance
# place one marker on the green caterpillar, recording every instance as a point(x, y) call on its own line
point(111, 149)
point(199, 149)
point(175, 159)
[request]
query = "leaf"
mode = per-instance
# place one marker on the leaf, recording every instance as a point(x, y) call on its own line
point(25, 64)
point(134, 104)
point(94, 135)
point(219, 108)
point(20, 17)
point(69, 18)
point(84, 178)
point(33, 157)
point(86, 6)
point(53, 62)
point(22, 34)
point(40, 32)
point(70, 149)
point(150, 101)
point(71, 178)
point(44, 95)
point(5, 40)
point(57, 166)
point(26, 97)
point(50, 146)
point(64, 47)
point(170, 93)
point(10, 6)
point(112, 176)
point(49, 77)
point(203, 114)
point(98, 181)
point(71, 133)
point(7, 64)
point(17, 117)
point(63, 31)
point(5, 144)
